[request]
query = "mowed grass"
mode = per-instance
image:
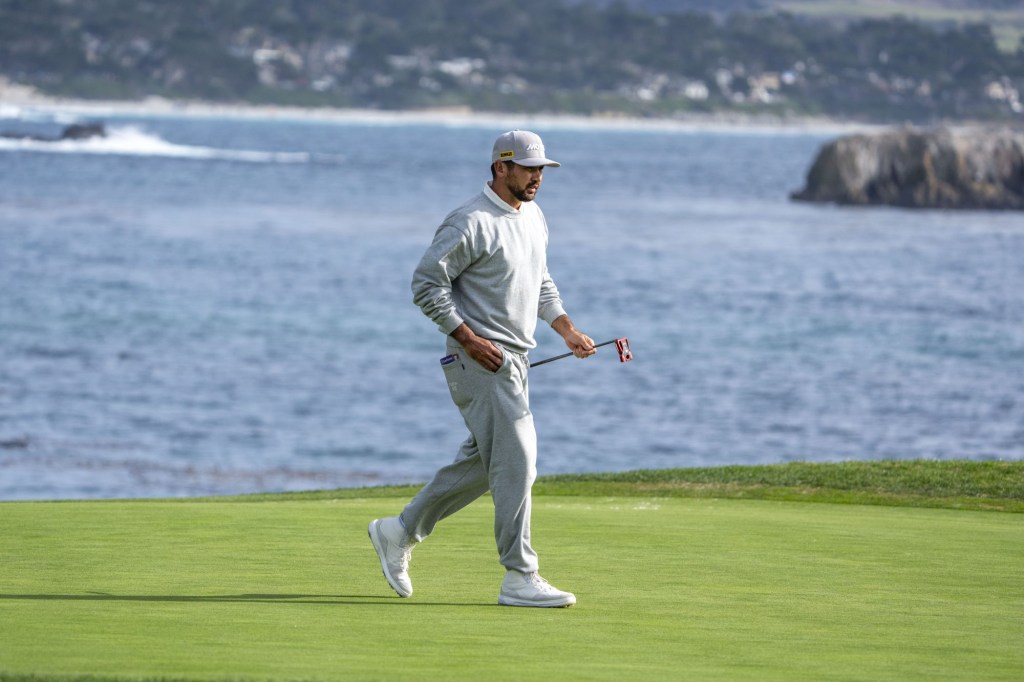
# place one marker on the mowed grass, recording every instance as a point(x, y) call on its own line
point(669, 588)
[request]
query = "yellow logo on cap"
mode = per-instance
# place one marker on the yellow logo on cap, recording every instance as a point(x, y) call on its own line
point(509, 154)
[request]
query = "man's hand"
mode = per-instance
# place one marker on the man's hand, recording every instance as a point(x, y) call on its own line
point(480, 349)
point(581, 345)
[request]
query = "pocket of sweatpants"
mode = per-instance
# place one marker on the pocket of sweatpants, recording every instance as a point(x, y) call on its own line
point(506, 362)
point(454, 368)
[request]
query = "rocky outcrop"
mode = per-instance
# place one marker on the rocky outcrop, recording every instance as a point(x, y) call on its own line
point(973, 168)
point(75, 131)
point(83, 131)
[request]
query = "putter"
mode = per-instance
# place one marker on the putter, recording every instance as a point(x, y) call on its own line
point(622, 345)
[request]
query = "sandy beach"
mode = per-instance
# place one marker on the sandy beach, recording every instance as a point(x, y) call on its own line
point(17, 101)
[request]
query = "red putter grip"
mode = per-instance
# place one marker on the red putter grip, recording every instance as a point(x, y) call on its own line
point(625, 354)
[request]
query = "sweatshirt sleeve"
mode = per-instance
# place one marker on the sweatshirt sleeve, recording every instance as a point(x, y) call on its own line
point(447, 256)
point(549, 306)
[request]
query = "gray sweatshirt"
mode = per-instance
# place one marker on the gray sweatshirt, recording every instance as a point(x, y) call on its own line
point(487, 267)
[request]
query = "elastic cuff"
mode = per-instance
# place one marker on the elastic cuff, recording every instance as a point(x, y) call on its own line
point(450, 323)
point(552, 313)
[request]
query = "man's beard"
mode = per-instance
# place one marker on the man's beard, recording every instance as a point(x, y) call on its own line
point(521, 193)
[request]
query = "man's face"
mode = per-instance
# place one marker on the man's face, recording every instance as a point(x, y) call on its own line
point(522, 182)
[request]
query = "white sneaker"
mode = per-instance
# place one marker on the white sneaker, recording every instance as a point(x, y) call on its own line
point(394, 549)
point(529, 589)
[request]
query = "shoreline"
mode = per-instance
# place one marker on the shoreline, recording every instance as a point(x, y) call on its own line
point(958, 484)
point(17, 101)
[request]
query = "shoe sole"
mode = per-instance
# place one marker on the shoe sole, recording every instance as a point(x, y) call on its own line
point(514, 601)
point(378, 547)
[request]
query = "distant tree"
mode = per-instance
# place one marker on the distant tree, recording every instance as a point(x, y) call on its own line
point(637, 56)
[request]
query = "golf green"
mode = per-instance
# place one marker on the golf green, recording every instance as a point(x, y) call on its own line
point(668, 589)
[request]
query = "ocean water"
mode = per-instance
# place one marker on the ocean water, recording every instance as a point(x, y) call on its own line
point(221, 305)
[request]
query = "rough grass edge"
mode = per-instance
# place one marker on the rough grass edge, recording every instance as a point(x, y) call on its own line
point(995, 485)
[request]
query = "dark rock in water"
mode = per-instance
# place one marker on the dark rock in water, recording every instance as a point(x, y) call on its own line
point(75, 131)
point(972, 168)
point(83, 131)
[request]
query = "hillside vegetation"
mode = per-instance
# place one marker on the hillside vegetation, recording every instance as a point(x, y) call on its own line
point(531, 55)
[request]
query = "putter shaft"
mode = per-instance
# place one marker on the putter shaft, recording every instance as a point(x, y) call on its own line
point(565, 355)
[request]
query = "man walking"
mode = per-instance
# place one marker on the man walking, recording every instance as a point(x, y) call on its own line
point(484, 281)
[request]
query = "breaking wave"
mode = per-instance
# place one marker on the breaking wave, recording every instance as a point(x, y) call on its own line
point(133, 141)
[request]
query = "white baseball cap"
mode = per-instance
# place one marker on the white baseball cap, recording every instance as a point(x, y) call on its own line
point(522, 147)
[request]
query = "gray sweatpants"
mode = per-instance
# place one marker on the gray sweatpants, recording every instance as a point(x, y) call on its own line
point(500, 455)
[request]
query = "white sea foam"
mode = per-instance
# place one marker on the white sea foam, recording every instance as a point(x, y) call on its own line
point(134, 141)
